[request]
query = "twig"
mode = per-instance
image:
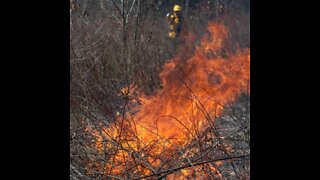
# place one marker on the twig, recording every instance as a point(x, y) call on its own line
point(130, 10)
point(170, 171)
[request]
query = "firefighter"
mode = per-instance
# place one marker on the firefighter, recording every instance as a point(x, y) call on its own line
point(175, 19)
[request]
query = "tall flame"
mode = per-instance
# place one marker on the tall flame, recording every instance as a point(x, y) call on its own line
point(195, 90)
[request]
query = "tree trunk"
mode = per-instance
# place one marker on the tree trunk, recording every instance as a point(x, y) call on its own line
point(124, 38)
point(187, 7)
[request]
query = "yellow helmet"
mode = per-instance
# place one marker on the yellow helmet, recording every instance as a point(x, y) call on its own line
point(176, 8)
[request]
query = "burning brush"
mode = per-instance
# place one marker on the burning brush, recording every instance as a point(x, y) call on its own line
point(173, 133)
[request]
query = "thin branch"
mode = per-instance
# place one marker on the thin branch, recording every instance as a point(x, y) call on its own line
point(116, 18)
point(114, 177)
point(170, 171)
point(118, 8)
point(130, 10)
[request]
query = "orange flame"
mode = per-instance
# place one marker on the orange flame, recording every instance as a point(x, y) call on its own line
point(194, 92)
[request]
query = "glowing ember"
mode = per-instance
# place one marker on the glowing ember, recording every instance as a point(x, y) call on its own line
point(194, 92)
